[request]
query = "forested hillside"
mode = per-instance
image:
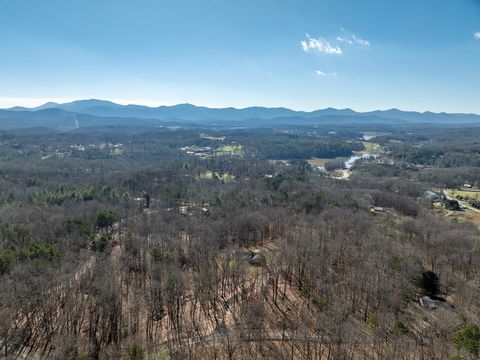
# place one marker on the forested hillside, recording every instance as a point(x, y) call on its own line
point(199, 244)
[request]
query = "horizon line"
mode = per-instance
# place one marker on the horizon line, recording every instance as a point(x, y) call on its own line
point(7, 103)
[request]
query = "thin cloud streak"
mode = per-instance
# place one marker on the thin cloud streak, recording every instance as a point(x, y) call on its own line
point(353, 40)
point(324, 74)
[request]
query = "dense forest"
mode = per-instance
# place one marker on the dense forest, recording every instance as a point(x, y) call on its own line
point(210, 243)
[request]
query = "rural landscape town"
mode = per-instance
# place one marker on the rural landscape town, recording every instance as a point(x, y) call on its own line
point(298, 229)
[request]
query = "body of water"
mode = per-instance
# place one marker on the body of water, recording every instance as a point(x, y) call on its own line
point(349, 163)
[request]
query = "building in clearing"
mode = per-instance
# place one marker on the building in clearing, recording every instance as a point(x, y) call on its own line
point(377, 210)
point(433, 196)
point(431, 304)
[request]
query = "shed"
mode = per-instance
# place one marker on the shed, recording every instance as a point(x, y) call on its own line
point(433, 196)
point(377, 210)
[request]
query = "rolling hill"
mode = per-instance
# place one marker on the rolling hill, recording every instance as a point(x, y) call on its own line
point(88, 113)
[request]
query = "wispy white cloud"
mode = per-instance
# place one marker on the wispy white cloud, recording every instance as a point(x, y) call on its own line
point(320, 45)
point(324, 74)
point(477, 35)
point(353, 40)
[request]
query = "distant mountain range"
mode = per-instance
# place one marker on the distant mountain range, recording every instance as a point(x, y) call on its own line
point(88, 113)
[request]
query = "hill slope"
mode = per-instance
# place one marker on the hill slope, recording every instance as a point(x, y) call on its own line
point(83, 113)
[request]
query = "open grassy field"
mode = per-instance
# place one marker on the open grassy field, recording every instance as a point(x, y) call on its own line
point(320, 162)
point(233, 150)
point(464, 216)
point(206, 136)
point(469, 215)
point(472, 194)
point(209, 175)
point(367, 135)
point(372, 147)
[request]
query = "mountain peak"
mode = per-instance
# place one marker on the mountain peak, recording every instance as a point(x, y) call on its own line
point(189, 112)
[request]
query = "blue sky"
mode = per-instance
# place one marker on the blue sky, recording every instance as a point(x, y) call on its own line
point(304, 54)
